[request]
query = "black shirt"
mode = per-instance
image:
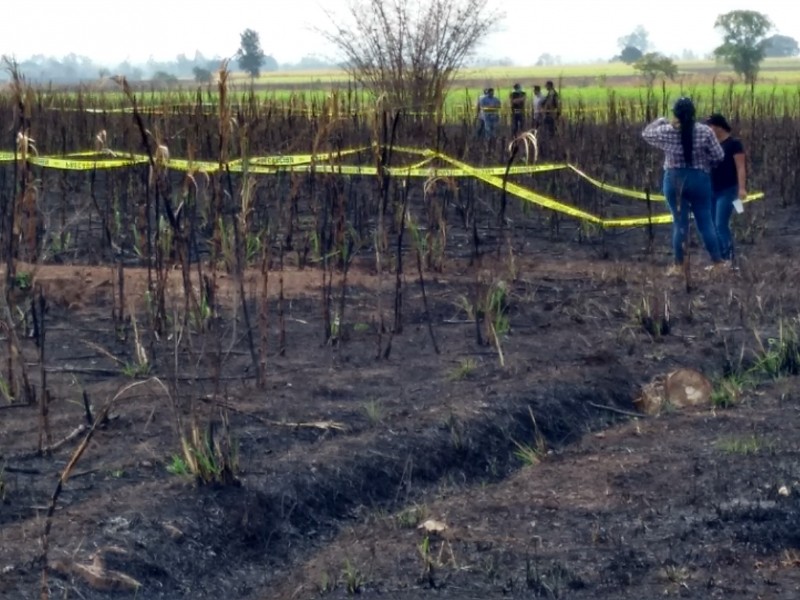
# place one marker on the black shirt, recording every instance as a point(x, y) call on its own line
point(724, 176)
point(518, 101)
point(552, 105)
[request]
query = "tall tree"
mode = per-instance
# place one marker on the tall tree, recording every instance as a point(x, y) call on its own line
point(409, 51)
point(251, 56)
point(780, 46)
point(202, 75)
point(743, 41)
point(630, 54)
point(639, 38)
point(653, 64)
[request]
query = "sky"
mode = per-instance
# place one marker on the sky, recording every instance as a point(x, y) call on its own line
point(109, 32)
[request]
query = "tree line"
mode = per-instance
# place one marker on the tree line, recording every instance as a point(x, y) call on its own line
point(745, 44)
point(74, 68)
point(408, 51)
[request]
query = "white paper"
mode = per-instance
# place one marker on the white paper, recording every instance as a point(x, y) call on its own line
point(738, 206)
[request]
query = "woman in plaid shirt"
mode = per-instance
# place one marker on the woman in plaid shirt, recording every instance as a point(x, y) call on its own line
point(690, 151)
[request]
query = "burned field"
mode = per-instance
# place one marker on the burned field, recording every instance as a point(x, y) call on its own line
point(309, 384)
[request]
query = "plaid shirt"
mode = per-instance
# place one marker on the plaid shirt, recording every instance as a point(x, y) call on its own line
point(664, 136)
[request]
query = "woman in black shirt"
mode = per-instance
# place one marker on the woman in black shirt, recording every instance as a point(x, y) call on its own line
point(728, 179)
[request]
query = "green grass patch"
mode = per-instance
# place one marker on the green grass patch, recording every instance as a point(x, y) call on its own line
point(772, 68)
point(588, 84)
point(746, 446)
point(466, 366)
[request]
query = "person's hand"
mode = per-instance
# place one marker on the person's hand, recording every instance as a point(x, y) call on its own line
point(742, 194)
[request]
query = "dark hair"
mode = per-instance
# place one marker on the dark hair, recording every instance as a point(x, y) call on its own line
point(684, 111)
point(720, 121)
point(537, 88)
point(549, 83)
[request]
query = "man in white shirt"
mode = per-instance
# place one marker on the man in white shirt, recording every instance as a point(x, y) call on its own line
point(538, 100)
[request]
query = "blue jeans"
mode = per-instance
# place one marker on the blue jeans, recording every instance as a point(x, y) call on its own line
point(480, 127)
point(723, 208)
point(517, 122)
point(689, 191)
point(490, 125)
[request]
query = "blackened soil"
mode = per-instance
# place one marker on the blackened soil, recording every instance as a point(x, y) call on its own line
point(342, 456)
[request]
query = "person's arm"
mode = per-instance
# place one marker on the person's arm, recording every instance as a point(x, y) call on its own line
point(656, 133)
point(715, 148)
point(741, 172)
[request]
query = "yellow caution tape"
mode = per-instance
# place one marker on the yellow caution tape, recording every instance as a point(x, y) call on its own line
point(289, 160)
point(81, 165)
point(320, 163)
point(410, 171)
point(660, 219)
point(457, 111)
point(105, 153)
point(420, 164)
point(180, 164)
point(636, 194)
point(426, 152)
point(552, 204)
point(613, 188)
point(524, 193)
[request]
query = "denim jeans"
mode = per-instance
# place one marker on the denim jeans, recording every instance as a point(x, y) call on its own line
point(490, 125)
point(689, 191)
point(480, 127)
point(517, 122)
point(722, 209)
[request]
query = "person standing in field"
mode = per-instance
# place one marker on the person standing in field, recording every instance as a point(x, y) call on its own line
point(690, 151)
point(728, 182)
point(490, 112)
point(480, 127)
point(551, 107)
point(538, 103)
point(517, 101)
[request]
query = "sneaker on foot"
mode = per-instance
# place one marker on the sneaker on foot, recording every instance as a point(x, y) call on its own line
point(722, 266)
point(674, 271)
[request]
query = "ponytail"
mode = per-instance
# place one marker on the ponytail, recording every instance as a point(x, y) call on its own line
point(687, 138)
point(684, 111)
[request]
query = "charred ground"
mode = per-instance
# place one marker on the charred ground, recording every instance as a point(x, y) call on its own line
point(638, 509)
point(361, 431)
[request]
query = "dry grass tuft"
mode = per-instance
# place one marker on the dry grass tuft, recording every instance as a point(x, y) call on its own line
point(527, 140)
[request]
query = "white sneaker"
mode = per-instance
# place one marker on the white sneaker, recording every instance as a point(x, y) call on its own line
point(722, 266)
point(674, 271)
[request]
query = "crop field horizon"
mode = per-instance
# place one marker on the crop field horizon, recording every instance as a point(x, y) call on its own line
point(771, 69)
point(582, 88)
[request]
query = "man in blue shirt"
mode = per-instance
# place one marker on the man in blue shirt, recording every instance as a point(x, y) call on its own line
point(490, 113)
point(479, 127)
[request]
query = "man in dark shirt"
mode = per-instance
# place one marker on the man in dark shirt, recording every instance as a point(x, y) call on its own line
point(517, 101)
point(551, 107)
point(729, 182)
